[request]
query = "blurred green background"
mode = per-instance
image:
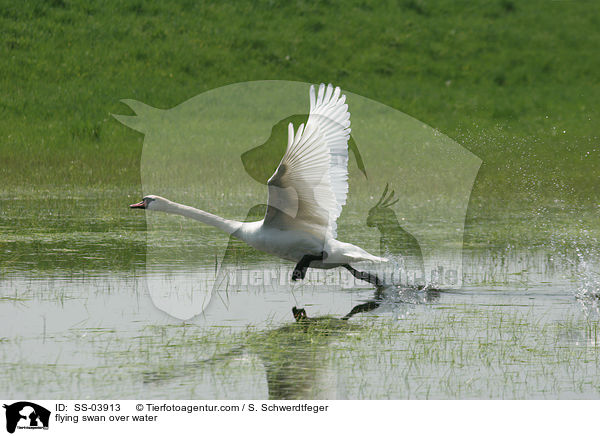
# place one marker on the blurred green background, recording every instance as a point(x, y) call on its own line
point(516, 83)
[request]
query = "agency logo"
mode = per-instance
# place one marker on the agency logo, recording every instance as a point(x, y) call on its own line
point(26, 415)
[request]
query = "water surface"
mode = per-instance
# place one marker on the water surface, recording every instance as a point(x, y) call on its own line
point(76, 321)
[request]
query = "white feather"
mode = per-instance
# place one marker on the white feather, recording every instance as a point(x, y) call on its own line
point(315, 166)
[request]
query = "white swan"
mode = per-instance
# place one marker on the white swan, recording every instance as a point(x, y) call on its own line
point(306, 195)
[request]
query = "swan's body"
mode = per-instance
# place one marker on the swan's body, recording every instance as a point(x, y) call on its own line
point(306, 195)
point(295, 244)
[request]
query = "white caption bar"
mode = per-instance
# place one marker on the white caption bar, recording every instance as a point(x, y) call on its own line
point(298, 417)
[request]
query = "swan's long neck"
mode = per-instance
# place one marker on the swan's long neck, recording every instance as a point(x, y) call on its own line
point(229, 226)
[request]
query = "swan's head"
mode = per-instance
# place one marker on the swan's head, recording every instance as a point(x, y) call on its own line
point(151, 202)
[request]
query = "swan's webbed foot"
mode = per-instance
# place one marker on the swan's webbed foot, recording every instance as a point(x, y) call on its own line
point(302, 266)
point(362, 275)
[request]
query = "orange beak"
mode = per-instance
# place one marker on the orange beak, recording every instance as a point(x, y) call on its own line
point(140, 205)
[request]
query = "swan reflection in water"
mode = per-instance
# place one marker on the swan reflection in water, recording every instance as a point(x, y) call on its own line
point(295, 355)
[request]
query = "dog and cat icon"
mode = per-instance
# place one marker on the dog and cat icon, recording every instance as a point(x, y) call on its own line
point(26, 415)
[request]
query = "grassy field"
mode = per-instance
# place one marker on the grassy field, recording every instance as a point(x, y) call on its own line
point(515, 83)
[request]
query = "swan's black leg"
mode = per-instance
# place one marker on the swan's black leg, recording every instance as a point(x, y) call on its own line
point(300, 270)
point(365, 307)
point(371, 278)
point(370, 305)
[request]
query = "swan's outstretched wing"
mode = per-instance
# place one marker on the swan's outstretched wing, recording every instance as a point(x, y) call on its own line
point(310, 185)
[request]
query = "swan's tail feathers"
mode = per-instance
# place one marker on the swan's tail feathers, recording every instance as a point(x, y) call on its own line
point(377, 259)
point(344, 252)
point(367, 257)
point(380, 259)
